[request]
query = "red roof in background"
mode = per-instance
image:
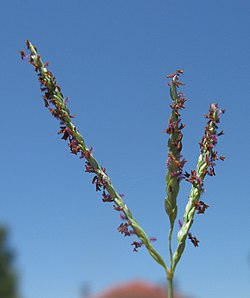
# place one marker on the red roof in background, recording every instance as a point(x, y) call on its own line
point(135, 289)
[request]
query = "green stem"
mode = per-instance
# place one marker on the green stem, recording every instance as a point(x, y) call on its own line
point(170, 287)
point(170, 246)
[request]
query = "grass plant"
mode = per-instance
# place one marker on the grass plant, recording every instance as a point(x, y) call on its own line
point(57, 105)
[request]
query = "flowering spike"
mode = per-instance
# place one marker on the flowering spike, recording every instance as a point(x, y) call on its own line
point(57, 105)
point(175, 162)
point(205, 166)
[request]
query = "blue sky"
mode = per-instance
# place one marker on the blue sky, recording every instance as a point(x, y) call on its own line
point(111, 58)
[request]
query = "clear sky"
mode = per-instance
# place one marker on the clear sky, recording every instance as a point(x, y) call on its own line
point(111, 57)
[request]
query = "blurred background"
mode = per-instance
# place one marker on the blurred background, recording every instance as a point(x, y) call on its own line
point(111, 58)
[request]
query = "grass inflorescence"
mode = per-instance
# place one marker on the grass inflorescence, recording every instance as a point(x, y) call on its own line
point(58, 106)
